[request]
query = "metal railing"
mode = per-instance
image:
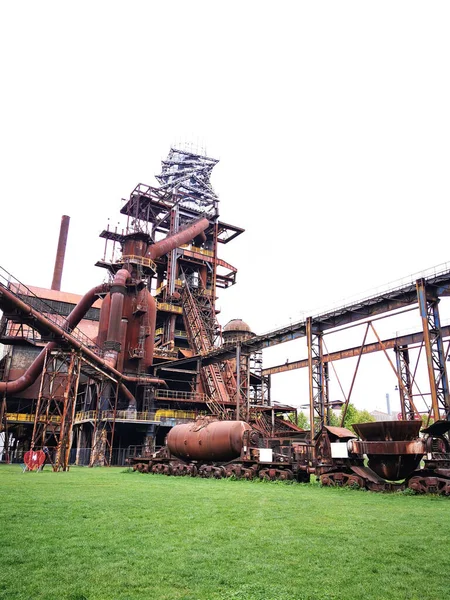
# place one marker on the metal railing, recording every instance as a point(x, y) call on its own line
point(158, 416)
point(198, 250)
point(169, 307)
point(180, 333)
point(21, 291)
point(178, 283)
point(140, 260)
point(174, 395)
point(398, 285)
point(30, 418)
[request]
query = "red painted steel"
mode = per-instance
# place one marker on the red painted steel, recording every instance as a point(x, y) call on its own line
point(204, 440)
point(60, 253)
point(34, 459)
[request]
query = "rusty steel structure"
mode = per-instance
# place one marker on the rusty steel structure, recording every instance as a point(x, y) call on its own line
point(121, 366)
point(210, 448)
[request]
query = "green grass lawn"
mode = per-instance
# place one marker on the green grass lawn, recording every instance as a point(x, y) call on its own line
point(109, 534)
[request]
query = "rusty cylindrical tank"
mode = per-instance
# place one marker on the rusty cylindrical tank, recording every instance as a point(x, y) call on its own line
point(207, 441)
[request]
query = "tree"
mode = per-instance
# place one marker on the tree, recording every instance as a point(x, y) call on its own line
point(355, 416)
point(302, 420)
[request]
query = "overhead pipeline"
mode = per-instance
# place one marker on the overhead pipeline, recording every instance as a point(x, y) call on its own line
point(176, 240)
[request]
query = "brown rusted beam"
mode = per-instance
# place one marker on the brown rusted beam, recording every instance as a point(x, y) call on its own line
point(413, 338)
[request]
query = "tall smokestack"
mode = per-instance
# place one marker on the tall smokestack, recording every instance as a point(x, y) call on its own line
point(60, 253)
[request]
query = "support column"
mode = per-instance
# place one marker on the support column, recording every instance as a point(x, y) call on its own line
point(434, 347)
point(405, 390)
point(318, 388)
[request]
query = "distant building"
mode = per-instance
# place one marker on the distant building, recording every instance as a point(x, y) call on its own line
point(379, 415)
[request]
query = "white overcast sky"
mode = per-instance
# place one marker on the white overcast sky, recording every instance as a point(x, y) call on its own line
point(331, 121)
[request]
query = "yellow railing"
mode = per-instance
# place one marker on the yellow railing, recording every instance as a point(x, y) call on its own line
point(89, 415)
point(179, 333)
point(174, 414)
point(127, 415)
point(194, 396)
point(29, 418)
point(140, 260)
point(178, 283)
point(169, 307)
point(198, 250)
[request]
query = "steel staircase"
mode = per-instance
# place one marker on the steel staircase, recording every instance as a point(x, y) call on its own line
point(200, 335)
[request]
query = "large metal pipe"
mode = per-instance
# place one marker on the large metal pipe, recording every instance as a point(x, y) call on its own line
point(177, 239)
point(118, 292)
point(149, 320)
point(60, 253)
point(33, 371)
point(104, 321)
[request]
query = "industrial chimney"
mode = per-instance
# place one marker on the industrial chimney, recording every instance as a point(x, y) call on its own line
point(60, 253)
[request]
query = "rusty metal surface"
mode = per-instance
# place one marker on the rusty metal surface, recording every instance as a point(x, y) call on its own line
point(437, 428)
point(177, 239)
point(206, 440)
point(60, 252)
point(389, 447)
point(340, 432)
point(396, 465)
point(388, 430)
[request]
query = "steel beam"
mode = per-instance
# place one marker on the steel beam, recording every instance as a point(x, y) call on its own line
point(405, 389)
point(434, 348)
point(318, 388)
point(391, 343)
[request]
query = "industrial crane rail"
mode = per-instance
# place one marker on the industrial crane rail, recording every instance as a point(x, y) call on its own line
point(385, 299)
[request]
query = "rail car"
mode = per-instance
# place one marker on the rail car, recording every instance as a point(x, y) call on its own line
point(384, 456)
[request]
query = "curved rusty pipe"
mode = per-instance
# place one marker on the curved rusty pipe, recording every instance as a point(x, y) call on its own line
point(177, 239)
point(33, 371)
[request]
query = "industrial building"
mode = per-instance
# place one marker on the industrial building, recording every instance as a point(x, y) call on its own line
point(98, 377)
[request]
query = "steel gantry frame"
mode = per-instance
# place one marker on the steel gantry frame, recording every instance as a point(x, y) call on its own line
point(107, 392)
point(55, 407)
point(432, 337)
point(429, 312)
point(408, 409)
point(318, 377)
point(394, 300)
